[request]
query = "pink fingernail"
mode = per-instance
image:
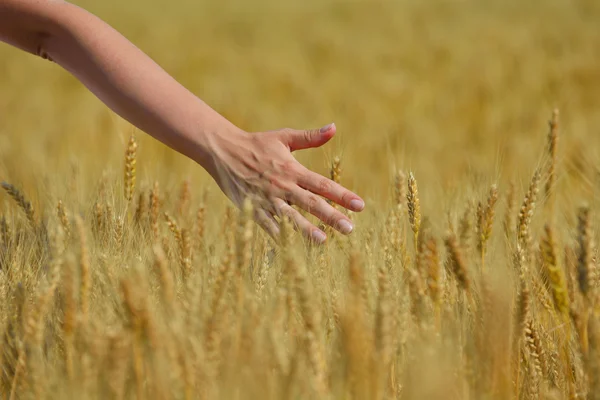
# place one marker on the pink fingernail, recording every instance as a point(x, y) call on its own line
point(357, 205)
point(326, 128)
point(345, 226)
point(318, 236)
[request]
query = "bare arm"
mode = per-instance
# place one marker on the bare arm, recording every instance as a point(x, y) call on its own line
point(120, 74)
point(258, 165)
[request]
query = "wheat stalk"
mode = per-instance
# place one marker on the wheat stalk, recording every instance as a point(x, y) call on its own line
point(5, 233)
point(84, 264)
point(399, 190)
point(457, 262)
point(554, 272)
point(553, 154)
point(130, 164)
point(64, 220)
point(141, 209)
point(69, 319)
point(20, 199)
point(584, 240)
point(414, 207)
point(185, 195)
point(465, 227)
point(486, 221)
point(154, 209)
point(526, 214)
point(166, 278)
point(510, 213)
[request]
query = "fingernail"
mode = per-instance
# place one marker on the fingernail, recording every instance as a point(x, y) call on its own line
point(326, 128)
point(318, 236)
point(357, 205)
point(345, 226)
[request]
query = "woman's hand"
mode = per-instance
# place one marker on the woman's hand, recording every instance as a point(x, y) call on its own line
point(255, 165)
point(261, 166)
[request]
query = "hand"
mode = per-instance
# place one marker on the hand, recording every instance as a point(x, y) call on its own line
point(258, 165)
point(261, 166)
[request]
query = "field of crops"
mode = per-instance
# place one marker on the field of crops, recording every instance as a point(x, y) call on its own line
point(471, 129)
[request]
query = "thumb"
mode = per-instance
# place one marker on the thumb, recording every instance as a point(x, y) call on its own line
point(304, 139)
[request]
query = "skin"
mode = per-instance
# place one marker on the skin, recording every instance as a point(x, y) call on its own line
point(257, 165)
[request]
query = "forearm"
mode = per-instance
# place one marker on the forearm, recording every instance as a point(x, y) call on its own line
point(260, 166)
point(124, 78)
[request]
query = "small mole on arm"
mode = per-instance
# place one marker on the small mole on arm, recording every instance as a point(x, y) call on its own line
point(40, 51)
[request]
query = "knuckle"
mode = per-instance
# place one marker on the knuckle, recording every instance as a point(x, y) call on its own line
point(312, 202)
point(290, 171)
point(287, 166)
point(308, 135)
point(333, 217)
point(324, 185)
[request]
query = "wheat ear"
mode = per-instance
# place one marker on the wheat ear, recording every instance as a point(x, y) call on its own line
point(130, 162)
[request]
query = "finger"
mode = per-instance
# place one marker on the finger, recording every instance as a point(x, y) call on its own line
point(330, 190)
point(302, 224)
point(266, 221)
point(320, 208)
point(304, 139)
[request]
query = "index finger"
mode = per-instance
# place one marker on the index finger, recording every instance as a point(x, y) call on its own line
point(331, 190)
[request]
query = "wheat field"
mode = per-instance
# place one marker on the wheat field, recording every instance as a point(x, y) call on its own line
point(471, 128)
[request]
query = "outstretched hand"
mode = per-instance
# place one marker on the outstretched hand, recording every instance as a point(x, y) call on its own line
point(260, 166)
point(255, 165)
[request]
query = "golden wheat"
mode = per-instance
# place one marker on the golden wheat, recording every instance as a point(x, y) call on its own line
point(130, 163)
point(20, 199)
point(207, 306)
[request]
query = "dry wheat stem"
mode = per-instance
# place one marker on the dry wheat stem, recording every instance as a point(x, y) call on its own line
point(20, 199)
point(130, 165)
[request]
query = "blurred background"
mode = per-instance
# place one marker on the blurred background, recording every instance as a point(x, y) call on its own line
point(458, 91)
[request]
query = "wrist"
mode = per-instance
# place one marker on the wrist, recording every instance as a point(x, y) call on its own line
point(211, 141)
